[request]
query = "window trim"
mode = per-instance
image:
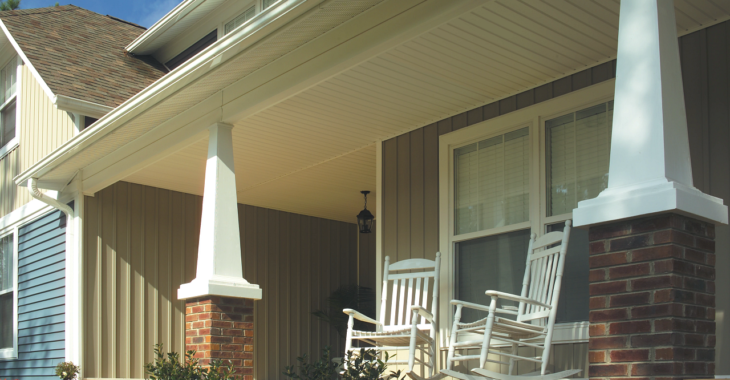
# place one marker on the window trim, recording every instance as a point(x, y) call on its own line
point(533, 116)
point(15, 141)
point(12, 353)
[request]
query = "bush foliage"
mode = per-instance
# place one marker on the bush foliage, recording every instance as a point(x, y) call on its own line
point(169, 367)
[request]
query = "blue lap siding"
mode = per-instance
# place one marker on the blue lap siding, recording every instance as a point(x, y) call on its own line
point(41, 299)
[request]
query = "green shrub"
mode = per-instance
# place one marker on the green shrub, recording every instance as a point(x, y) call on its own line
point(324, 369)
point(170, 368)
point(367, 365)
point(67, 370)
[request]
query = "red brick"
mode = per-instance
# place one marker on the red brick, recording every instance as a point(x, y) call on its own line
point(608, 315)
point(597, 303)
point(634, 327)
point(705, 244)
point(608, 259)
point(629, 299)
point(653, 340)
point(673, 324)
point(673, 295)
point(629, 355)
point(597, 329)
point(673, 236)
point(597, 357)
point(695, 256)
point(607, 342)
point(695, 312)
point(653, 223)
point(653, 369)
point(654, 311)
point(696, 340)
point(608, 288)
point(706, 327)
point(630, 242)
point(597, 275)
point(695, 368)
point(654, 253)
point(608, 370)
point(674, 353)
point(674, 266)
point(706, 355)
point(597, 247)
point(609, 231)
point(656, 282)
point(695, 284)
point(625, 271)
point(705, 272)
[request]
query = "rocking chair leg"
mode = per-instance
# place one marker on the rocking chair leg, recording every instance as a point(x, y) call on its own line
point(488, 333)
point(348, 340)
point(454, 332)
point(512, 360)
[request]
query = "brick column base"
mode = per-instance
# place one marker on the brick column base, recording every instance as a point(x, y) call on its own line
point(652, 299)
point(221, 328)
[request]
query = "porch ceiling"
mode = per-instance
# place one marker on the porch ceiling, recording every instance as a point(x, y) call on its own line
point(313, 152)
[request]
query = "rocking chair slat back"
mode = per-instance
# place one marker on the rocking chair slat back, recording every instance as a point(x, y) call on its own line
point(411, 286)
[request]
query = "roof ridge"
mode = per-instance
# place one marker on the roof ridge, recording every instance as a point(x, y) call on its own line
point(35, 11)
point(126, 22)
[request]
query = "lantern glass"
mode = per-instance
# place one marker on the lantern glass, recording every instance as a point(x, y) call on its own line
point(365, 221)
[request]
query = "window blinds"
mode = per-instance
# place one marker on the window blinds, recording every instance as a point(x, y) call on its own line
point(578, 149)
point(491, 182)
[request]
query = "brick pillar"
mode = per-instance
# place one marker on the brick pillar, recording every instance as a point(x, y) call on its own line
point(652, 298)
point(221, 328)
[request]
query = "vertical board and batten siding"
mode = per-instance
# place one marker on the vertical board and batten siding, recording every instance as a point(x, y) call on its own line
point(410, 161)
point(705, 56)
point(41, 299)
point(43, 128)
point(141, 243)
point(11, 195)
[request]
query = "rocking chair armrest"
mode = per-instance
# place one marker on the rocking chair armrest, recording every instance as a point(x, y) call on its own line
point(480, 307)
point(360, 316)
point(513, 297)
point(422, 312)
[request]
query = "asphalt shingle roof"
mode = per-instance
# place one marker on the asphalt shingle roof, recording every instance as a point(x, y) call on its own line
point(80, 54)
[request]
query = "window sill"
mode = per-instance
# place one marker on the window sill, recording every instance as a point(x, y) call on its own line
point(12, 144)
point(8, 354)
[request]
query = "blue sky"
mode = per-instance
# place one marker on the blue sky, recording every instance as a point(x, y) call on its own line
point(142, 12)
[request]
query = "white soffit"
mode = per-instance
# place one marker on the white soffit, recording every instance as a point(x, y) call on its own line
point(492, 52)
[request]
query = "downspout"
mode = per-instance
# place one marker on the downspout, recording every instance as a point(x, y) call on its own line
point(73, 345)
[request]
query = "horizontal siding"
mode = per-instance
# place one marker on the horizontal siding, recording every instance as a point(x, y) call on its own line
point(41, 299)
point(141, 243)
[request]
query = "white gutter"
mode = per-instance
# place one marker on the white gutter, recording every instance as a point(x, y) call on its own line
point(170, 19)
point(83, 107)
point(229, 46)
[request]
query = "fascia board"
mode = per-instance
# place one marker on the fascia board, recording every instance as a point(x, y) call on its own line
point(161, 26)
point(83, 107)
point(221, 51)
point(27, 62)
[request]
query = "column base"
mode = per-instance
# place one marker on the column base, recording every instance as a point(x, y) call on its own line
point(649, 198)
point(219, 286)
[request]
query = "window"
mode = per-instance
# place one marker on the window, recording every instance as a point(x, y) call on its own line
point(7, 297)
point(8, 80)
point(528, 179)
point(240, 20)
point(267, 3)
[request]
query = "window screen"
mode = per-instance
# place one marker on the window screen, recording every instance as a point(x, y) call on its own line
point(6, 292)
point(578, 148)
point(490, 263)
point(573, 301)
point(242, 18)
point(491, 179)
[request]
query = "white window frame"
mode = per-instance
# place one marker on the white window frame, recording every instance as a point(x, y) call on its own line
point(12, 353)
point(533, 117)
point(12, 144)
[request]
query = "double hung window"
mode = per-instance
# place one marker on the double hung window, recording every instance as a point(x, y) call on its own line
point(528, 179)
point(7, 296)
point(8, 81)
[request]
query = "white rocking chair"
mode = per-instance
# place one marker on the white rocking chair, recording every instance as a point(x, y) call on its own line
point(418, 278)
point(535, 320)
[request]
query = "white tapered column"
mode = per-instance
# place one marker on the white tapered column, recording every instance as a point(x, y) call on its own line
point(219, 270)
point(650, 169)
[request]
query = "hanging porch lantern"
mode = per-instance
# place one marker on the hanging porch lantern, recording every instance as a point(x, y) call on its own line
point(365, 218)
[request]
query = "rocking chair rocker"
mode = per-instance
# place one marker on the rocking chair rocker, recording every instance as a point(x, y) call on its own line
point(409, 305)
point(534, 322)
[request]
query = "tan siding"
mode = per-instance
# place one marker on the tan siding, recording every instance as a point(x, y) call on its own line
point(43, 128)
point(11, 196)
point(141, 244)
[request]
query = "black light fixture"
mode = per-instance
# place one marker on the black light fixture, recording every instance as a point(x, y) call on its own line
point(365, 218)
